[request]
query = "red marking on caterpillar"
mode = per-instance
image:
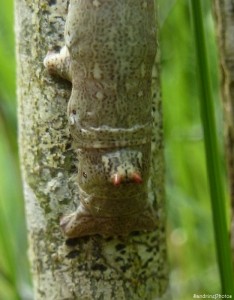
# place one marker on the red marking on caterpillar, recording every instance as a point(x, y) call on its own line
point(116, 179)
point(137, 178)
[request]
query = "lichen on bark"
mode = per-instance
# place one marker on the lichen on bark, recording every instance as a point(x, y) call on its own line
point(90, 267)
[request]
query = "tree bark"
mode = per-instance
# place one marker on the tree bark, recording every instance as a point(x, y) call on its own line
point(224, 14)
point(90, 267)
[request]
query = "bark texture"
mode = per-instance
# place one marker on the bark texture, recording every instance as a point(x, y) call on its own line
point(224, 14)
point(89, 267)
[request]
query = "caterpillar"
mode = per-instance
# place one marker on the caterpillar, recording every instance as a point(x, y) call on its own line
point(109, 51)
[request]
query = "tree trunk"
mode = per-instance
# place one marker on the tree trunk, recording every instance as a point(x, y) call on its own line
point(89, 267)
point(224, 13)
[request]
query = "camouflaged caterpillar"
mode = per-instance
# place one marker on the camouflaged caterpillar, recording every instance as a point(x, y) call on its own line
point(108, 56)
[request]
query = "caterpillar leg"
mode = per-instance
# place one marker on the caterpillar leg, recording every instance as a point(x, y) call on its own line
point(82, 223)
point(59, 63)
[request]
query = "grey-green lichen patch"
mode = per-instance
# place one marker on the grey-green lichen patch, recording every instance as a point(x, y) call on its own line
point(46, 144)
point(126, 264)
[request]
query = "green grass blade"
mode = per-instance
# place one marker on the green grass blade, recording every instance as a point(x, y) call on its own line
point(212, 154)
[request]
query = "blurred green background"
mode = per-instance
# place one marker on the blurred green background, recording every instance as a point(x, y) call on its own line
point(190, 232)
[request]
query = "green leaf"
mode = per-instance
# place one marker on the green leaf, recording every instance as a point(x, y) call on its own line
point(212, 153)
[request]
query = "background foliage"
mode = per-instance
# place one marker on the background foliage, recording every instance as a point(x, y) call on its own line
point(190, 231)
point(14, 271)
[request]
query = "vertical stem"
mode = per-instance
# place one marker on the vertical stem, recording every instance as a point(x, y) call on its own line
point(212, 154)
point(91, 267)
point(224, 15)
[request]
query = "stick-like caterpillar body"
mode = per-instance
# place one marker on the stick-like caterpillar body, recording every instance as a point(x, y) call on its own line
point(109, 54)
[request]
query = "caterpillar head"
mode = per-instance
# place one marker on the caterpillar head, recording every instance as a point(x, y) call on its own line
point(123, 166)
